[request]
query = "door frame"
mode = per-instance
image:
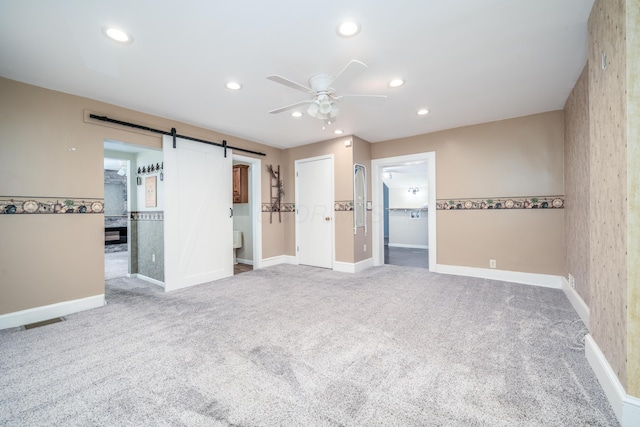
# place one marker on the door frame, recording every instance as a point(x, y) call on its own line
point(255, 199)
point(331, 207)
point(377, 214)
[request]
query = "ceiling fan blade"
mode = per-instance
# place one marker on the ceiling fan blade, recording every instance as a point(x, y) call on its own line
point(291, 84)
point(348, 73)
point(367, 97)
point(290, 107)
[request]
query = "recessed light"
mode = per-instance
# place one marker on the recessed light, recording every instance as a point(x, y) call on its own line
point(296, 114)
point(117, 34)
point(338, 131)
point(348, 29)
point(423, 112)
point(396, 83)
point(233, 86)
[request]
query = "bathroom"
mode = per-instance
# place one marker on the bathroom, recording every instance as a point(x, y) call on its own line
point(242, 217)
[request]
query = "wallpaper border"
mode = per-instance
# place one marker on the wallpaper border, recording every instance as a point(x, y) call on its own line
point(541, 202)
point(146, 215)
point(50, 205)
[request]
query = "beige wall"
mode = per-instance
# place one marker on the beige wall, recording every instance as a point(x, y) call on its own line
point(608, 183)
point(576, 182)
point(607, 163)
point(633, 195)
point(51, 258)
point(521, 157)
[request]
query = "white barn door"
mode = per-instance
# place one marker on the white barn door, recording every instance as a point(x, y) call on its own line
point(198, 223)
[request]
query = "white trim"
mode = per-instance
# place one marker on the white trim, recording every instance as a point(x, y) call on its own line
point(631, 411)
point(363, 265)
point(245, 261)
point(377, 212)
point(147, 279)
point(544, 280)
point(350, 267)
point(626, 408)
point(46, 312)
point(277, 260)
point(344, 267)
point(402, 245)
point(576, 301)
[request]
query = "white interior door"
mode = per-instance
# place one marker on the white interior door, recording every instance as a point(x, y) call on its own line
point(198, 223)
point(315, 211)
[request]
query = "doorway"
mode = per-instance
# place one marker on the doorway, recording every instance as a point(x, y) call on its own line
point(116, 208)
point(315, 211)
point(409, 213)
point(139, 224)
point(246, 218)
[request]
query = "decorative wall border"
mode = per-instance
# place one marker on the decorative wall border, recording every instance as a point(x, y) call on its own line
point(543, 202)
point(343, 206)
point(340, 206)
point(146, 215)
point(49, 205)
point(284, 207)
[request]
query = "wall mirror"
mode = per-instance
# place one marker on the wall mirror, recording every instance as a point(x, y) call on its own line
point(359, 198)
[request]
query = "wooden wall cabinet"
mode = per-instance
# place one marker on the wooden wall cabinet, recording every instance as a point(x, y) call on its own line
point(240, 184)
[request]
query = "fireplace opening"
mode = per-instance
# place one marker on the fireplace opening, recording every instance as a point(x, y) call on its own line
point(115, 235)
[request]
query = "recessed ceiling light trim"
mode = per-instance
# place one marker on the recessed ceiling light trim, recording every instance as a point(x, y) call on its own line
point(338, 131)
point(423, 112)
point(396, 82)
point(296, 114)
point(117, 35)
point(233, 85)
point(348, 29)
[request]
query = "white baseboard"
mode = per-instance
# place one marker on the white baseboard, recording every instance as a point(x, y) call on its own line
point(626, 408)
point(245, 261)
point(46, 312)
point(402, 245)
point(544, 280)
point(277, 260)
point(147, 279)
point(576, 301)
point(350, 267)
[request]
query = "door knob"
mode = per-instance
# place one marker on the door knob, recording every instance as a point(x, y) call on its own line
point(327, 218)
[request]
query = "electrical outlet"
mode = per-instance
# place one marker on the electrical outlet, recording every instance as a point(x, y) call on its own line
point(365, 247)
point(572, 281)
point(492, 263)
point(153, 258)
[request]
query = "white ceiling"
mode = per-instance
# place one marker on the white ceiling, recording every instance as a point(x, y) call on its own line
point(406, 176)
point(468, 61)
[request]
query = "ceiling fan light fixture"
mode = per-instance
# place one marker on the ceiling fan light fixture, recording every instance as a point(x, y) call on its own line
point(348, 29)
point(325, 107)
point(313, 109)
point(334, 111)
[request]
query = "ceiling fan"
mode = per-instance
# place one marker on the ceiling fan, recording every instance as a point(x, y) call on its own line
point(321, 86)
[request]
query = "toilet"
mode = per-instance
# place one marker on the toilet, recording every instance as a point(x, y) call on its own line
point(237, 243)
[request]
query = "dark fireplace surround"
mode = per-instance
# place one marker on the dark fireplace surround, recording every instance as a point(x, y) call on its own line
point(115, 235)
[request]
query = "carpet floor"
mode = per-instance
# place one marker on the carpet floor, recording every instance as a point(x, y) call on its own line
point(301, 346)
